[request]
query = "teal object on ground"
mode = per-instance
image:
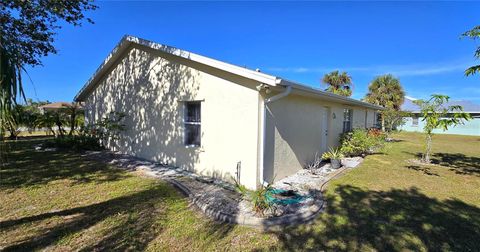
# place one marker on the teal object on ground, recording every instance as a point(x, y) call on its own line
point(295, 199)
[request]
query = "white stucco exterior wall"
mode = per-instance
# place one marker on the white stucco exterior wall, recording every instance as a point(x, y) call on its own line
point(294, 129)
point(151, 88)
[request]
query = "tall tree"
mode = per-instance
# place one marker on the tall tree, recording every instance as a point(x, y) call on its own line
point(438, 115)
point(473, 34)
point(338, 83)
point(27, 34)
point(386, 91)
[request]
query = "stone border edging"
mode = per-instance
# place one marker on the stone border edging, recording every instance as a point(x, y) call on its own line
point(256, 222)
point(305, 216)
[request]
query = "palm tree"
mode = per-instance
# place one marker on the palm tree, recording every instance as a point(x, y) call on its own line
point(386, 91)
point(10, 85)
point(338, 83)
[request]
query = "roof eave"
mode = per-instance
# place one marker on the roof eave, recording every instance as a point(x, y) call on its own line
point(330, 96)
point(127, 40)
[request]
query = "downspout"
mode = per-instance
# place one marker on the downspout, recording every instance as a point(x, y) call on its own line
point(274, 98)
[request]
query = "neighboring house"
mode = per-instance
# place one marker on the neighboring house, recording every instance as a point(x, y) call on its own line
point(415, 122)
point(56, 106)
point(215, 118)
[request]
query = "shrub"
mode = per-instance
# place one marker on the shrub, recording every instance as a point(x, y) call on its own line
point(361, 142)
point(374, 132)
point(80, 142)
point(108, 128)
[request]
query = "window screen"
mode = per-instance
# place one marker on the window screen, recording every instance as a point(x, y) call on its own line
point(415, 121)
point(192, 123)
point(347, 120)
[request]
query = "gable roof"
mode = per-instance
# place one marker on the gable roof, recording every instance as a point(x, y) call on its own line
point(264, 78)
point(61, 105)
point(468, 106)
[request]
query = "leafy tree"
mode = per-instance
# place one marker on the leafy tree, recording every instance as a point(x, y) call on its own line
point(28, 29)
point(437, 115)
point(107, 129)
point(387, 91)
point(394, 118)
point(473, 34)
point(338, 83)
point(46, 121)
point(76, 116)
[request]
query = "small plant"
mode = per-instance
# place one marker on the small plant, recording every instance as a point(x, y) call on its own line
point(240, 188)
point(374, 132)
point(334, 155)
point(315, 163)
point(259, 199)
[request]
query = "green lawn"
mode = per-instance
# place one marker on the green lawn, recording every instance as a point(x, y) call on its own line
point(61, 201)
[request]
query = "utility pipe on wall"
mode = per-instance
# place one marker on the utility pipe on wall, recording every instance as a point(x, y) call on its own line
point(274, 98)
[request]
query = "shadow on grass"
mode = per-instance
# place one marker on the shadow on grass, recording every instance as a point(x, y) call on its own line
point(394, 220)
point(135, 230)
point(27, 167)
point(425, 170)
point(457, 162)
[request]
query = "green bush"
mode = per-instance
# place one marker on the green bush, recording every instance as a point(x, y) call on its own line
point(80, 142)
point(361, 142)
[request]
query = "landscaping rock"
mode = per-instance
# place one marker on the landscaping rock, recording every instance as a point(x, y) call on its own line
point(351, 162)
point(219, 199)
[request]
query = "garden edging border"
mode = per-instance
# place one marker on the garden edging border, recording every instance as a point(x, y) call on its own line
point(256, 222)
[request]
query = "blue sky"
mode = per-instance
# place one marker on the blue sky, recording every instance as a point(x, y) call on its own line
point(419, 42)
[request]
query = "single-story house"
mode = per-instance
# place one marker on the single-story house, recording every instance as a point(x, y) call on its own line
point(215, 118)
point(56, 106)
point(415, 123)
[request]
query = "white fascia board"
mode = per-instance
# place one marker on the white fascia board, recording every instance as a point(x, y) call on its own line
point(316, 93)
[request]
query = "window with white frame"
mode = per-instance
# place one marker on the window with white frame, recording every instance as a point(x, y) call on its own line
point(347, 120)
point(415, 121)
point(192, 123)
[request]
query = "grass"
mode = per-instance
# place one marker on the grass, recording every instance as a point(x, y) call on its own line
point(60, 201)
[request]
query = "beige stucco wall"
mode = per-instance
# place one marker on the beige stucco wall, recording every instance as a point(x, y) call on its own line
point(294, 132)
point(150, 87)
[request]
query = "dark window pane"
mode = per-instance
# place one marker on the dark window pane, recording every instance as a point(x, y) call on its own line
point(192, 123)
point(415, 121)
point(347, 127)
point(192, 134)
point(193, 112)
